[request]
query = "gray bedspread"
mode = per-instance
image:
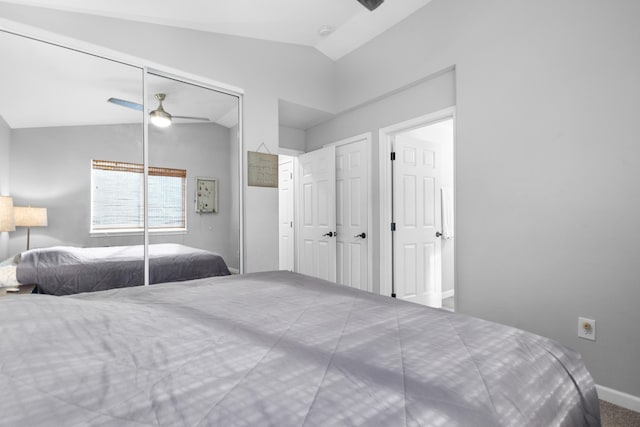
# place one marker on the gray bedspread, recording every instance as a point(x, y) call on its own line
point(278, 349)
point(65, 270)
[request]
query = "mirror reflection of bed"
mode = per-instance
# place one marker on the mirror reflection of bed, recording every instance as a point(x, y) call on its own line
point(81, 158)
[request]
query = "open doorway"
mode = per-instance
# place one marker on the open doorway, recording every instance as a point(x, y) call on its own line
point(286, 211)
point(418, 248)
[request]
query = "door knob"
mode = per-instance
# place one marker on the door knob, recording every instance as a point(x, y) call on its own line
point(330, 234)
point(438, 234)
point(362, 235)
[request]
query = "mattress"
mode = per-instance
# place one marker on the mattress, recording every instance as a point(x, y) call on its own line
point(64, 270)
point(279, 349)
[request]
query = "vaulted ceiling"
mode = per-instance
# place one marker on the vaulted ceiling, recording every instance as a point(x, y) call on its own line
point(63, 97)
point(348, 23)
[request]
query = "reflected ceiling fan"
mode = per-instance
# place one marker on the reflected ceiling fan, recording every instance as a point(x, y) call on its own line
point(159, 116)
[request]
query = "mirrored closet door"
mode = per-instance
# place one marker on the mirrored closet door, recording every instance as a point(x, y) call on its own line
point(59, 129)
point(72, 159)
point(193, 185)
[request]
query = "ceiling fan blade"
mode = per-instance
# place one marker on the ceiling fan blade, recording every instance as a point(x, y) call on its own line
point(204, 119)
point(371, 4)
point(125, 103)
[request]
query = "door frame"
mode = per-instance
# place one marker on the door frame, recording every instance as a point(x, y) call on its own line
point(385, 138)
point(296, 224)
point(367, 138)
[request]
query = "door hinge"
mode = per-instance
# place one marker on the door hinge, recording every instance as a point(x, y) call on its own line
point(291, 175)
point(291, 224)
point(393, 226)
point(393, 155)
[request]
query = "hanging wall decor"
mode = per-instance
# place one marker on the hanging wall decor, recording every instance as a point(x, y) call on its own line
point(262, 169)
point(206, 195)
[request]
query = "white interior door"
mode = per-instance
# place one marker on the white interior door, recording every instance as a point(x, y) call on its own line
point(416, 212)
point(286, 212)
point(352, 215)
point(317, 202)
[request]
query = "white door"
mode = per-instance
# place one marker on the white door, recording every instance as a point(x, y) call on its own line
point(317, 202)
point(352, 215)
point(286, 202)
point(416, 206)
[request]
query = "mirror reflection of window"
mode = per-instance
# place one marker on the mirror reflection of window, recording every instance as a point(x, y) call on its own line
point(117, 197)
point(55, 104)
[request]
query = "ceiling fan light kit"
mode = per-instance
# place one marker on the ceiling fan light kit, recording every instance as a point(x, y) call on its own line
point(158, 117)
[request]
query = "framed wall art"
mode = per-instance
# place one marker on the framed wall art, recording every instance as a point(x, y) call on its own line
point(206, 195)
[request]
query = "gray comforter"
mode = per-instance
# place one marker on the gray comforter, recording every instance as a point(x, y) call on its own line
point(276, 349)
point(65, 270)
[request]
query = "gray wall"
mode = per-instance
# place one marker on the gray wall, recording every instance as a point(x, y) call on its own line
point(548, 199)
point(51, 167)
point(5, 190)
point(291, 138)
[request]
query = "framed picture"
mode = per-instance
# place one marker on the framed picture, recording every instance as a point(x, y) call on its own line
point(206, 195)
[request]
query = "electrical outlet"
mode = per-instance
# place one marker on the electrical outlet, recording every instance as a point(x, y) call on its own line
point(587, 328)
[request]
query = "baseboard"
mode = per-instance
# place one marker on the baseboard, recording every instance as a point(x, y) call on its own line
point(233, 270)
point(619, 398)
point(448, 294)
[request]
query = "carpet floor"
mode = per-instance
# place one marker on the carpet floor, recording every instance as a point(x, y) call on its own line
point(615, 416)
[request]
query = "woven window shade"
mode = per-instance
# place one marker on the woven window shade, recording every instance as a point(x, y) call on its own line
point(108, 165)
point(118, 198)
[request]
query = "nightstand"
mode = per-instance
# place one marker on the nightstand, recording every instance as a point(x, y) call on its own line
point(24, 289)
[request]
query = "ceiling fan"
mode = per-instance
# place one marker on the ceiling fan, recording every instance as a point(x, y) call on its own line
point(371, 4)
point(159, 116)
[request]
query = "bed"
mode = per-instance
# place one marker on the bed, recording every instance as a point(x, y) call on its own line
point(280, 349)
point(65, 270)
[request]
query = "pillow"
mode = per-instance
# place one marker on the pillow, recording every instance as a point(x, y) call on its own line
point(8, 276)
point(14, 260)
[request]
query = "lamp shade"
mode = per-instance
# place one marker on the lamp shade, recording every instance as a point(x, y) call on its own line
point(7, 222)
point(30, 217)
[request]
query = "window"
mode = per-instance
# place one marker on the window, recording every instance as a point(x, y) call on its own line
point(117, 197)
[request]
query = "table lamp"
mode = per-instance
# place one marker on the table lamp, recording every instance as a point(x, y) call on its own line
point(30, 217)
point(7, 222)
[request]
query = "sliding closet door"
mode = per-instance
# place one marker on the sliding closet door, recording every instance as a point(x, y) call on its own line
point(69, 147)
point(193, 186)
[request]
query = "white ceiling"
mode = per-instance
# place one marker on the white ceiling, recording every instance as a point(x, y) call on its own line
point(48, 86)
point(288, 21)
